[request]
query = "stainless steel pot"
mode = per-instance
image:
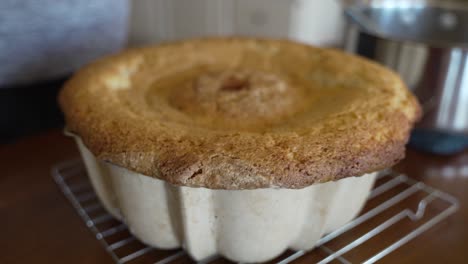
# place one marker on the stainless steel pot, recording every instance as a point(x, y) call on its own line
point(427, 44)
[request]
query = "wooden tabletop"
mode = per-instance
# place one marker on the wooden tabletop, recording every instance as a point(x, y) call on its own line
point(38, 225)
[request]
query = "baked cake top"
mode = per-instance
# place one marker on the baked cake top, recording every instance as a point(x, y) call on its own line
point(241, 113)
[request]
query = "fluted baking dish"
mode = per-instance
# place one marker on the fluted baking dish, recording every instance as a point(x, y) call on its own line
point(241, 225)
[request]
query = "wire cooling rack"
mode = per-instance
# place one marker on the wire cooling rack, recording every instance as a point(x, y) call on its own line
point(398, 209)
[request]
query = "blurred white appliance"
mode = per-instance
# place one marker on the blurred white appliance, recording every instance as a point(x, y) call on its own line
point(312, 21)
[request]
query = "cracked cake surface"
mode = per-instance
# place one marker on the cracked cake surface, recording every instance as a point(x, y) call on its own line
point(240, 113)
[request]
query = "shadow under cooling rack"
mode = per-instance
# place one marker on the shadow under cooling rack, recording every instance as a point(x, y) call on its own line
point(398, 209)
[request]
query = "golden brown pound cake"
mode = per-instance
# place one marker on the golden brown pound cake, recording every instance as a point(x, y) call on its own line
point(233, 113)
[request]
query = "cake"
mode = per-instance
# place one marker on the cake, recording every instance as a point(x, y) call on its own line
point(239, 147)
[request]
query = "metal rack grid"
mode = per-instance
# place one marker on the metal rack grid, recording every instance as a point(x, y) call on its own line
point(72, 179)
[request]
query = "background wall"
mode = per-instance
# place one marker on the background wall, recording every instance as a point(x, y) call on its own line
point(314, 21)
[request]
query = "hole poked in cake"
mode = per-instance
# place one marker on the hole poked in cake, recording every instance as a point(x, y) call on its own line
point(236, 94)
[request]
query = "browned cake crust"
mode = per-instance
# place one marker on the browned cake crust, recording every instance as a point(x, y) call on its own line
point(240, 113)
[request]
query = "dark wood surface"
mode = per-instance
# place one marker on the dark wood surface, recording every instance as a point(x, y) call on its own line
point(38, 225)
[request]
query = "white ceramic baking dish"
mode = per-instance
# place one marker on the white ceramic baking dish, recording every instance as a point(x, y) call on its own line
point(241, 225)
